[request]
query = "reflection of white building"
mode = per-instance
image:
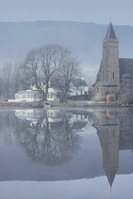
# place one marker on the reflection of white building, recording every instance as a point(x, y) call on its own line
point(53, 117)
point(29, 114)
point(78, 117)
point(33, 115)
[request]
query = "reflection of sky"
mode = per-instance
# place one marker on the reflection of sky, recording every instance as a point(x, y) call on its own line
point(96, 188)
point(15, 165)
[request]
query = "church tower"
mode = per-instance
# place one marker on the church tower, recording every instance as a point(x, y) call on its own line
point(110, 59)
point(108, 76)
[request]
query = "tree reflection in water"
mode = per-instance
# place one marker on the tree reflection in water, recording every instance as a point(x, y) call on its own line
point(54, 136)
point(49, 136)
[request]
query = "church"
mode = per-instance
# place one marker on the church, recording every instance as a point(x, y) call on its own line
point(114, 83)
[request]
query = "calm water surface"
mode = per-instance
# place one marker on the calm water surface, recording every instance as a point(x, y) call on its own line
point(66, 153)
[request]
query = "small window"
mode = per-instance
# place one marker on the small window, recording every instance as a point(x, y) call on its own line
point(113, 134)
point(113, 75)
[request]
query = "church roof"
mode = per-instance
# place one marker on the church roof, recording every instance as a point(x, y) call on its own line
point(126, 67)
point(111, 175)
point(110, 32)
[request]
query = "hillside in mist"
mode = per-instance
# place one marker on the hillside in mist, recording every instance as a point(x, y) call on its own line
point(83, 39)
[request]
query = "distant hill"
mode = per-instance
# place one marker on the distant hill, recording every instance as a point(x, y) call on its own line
point(83, 39)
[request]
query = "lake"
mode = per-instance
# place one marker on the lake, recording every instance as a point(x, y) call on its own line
point(76, 153)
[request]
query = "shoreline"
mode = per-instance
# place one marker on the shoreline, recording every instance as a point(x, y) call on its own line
point(75, 104)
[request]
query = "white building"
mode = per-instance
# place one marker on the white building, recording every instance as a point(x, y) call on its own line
point(78, 88)
point(28, 96)
point(53, 91)
point(53, 95)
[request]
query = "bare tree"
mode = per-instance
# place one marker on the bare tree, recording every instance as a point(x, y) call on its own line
point(31, 68)
point(7, 79)
point(16, 77)
point(10, 81)
point(52, 57)
point(68, 72)
point(47, 63)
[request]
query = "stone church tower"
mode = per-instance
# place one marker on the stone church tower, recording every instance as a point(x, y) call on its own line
point(108, 77)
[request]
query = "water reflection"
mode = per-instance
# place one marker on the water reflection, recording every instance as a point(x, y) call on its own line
point(67, 141)
point(115, 132)
point(50, 136)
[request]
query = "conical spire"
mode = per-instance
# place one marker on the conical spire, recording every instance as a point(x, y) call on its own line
point(110, 32)
point(111, 176)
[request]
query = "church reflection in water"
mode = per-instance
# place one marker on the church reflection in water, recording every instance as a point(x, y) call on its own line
point(52, 136)
point(115, 132)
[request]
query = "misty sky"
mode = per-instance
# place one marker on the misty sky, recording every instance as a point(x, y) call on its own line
point(120, 12)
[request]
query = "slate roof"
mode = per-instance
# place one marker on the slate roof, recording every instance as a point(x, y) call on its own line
point(110, 32)
point(126, 67)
